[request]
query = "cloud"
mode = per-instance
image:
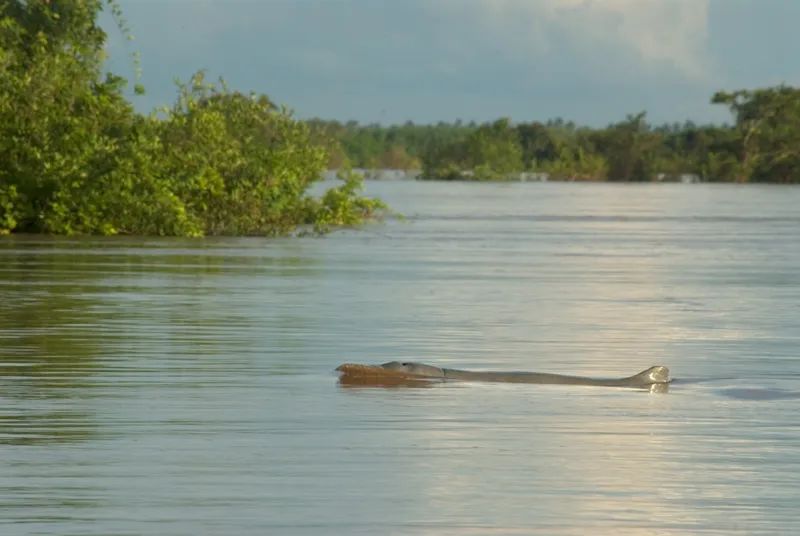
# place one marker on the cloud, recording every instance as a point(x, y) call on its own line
point(657, 34)
point(426, 60)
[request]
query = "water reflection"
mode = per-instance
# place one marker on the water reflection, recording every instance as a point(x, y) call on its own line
point(182, 387)
point(49, 350)
point(751, 393)
point(44, 427)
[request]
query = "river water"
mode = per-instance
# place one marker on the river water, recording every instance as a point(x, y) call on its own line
point(186, 387)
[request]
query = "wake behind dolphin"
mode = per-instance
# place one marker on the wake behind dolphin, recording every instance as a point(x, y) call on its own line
point(412, 373)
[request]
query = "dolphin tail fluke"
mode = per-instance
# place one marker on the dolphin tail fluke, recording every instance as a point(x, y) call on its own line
point(657, 374)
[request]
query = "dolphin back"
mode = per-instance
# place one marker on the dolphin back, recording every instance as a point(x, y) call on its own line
point(402, 373)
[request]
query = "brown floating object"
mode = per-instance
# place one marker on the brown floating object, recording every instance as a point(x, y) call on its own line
point(355, 375)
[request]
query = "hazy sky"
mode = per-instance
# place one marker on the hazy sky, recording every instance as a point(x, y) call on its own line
point(388, 61)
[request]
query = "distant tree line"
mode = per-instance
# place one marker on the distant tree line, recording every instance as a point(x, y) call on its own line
point(762, 145)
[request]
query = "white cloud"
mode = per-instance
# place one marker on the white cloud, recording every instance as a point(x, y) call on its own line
point(656, 32)
point(588, 60)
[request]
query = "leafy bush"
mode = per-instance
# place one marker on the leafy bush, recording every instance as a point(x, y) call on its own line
point(341, 205)
point(76, 159)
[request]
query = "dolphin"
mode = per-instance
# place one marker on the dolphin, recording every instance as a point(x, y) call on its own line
point(655, 378)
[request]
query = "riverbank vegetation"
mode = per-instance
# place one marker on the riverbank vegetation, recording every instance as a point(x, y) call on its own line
point(762, 145)
point(76, 158)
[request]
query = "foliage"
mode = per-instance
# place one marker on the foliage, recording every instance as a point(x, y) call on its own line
point(76, 158)
point(341, 205)
point(630, 148)
point(60, 122)
point(562, 151)
point(493, 151)
point(764, 145)
point(489, 152)
point(373, 146)
point(768, 128)
point(10, 208)
point(575, 163)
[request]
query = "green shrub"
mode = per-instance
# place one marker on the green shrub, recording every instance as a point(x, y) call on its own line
point(76, 159)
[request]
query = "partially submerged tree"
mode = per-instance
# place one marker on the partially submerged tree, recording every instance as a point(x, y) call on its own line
point(76, 158)
point(768, 124)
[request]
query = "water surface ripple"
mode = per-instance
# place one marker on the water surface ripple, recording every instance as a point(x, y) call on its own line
point(172, 387)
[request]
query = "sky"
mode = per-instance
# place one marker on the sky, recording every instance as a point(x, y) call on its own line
point(392, 61)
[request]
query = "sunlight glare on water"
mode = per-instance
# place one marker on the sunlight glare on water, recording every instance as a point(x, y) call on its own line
point(169, 386)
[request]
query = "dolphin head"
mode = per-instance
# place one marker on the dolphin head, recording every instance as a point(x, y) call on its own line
point(414, 369)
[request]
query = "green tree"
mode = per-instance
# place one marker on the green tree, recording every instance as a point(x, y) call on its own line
point(490, 152)
point(768, 124)
point(630, 149)
point(60, 120)
point(494, 151)
point(538, 144)
point(76, 158)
